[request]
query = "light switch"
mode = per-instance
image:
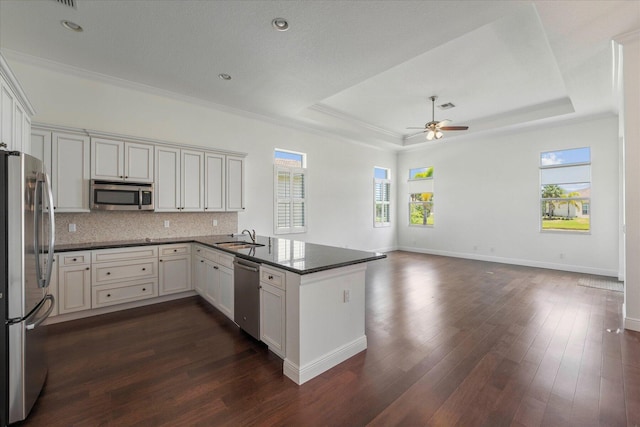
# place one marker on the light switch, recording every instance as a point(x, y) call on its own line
point(72, 228)
point(166, 223)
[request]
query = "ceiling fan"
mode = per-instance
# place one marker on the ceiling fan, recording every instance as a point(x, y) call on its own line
point(434, 129)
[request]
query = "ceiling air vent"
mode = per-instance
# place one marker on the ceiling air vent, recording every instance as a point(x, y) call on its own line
point(68, 3)
point(446, 106)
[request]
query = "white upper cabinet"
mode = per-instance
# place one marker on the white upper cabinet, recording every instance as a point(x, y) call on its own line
point(214, 182)
point(235, 183)
point(179, 180)
point(167, 181)
point(121, 161)
point(192, 186)
point(15, 112)
point(70, 172)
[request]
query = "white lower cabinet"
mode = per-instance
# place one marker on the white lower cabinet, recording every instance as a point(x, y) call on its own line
point(123, 275)
point(175, 268)
point(213, 278)
point(74, 282)
point(273, 309)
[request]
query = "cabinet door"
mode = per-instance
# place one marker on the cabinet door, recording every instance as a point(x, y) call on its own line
point(74, 289)
point(211, 282)
point(167, 173)
point(70, 172)
point(138, 162)
point(18, 128)
point(192, 181)
point(199, 275)
point(272, 318)
point(214, 182)
point(235, 183)
point(41, 147)
point(107, 159)
point(175, 274)
point(225, 292)
point(7, 100)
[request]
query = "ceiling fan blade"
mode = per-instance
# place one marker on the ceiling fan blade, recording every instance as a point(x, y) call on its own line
point(413, 135)
point(455, 128)
point(443, 123)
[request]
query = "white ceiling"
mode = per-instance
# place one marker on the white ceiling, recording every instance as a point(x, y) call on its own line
point(359, 69)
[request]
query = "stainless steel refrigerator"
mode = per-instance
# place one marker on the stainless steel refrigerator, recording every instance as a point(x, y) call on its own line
point(26, 255)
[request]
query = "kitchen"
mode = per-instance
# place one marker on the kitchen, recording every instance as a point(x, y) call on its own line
point(137, 111)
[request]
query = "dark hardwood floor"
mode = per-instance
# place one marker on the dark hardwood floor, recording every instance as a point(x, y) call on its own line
point(451, 342)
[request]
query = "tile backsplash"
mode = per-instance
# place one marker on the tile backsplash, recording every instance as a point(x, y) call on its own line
point(113, 226)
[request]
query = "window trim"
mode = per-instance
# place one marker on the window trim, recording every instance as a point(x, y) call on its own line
point(430, 202)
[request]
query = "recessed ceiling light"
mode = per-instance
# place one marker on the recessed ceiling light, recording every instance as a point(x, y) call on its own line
point(280, 24)
point(72, 26)
point(224, 76)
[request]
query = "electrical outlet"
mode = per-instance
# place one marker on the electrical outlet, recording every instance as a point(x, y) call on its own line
point(215, 222)
point(72, 228)
point(347, 295)
point(166, 223)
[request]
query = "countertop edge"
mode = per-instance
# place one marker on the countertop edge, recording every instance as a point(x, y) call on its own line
point(199, 240)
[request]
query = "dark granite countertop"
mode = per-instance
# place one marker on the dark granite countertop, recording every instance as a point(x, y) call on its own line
point(292, 255)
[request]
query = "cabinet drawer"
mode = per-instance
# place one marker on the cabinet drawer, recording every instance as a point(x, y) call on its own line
point(74, 258)
point(273, 277)
point(225, 260)
point(124, 292)
point(168, 250)
point(124, 254)
point(124, 270)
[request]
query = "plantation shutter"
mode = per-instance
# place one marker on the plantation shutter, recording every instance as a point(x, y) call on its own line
point(382, 190)
point(291, 207)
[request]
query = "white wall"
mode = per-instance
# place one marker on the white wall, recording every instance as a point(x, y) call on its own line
point(340, 173)
point(486, 198)
point(631, 44)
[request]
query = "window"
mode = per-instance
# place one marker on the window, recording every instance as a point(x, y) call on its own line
point(290, 207)
point(421, 212)
point(382, 197)
point(565, 190)
point(421, 173)
point(421, 209)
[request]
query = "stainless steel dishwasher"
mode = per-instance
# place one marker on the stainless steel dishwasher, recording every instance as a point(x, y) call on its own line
point(246, 310)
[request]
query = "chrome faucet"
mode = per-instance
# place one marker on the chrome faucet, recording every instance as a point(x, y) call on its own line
point(252, 234)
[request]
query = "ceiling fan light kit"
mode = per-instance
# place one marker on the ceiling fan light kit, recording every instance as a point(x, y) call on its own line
point(434, 129)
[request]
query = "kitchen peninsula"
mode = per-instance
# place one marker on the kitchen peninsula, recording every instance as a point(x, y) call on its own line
point(321, 289)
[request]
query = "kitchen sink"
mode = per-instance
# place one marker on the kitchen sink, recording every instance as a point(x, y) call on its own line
point(238, 245)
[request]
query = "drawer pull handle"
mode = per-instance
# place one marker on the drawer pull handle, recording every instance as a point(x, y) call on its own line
point(175, 250)
point(201, 260)
point(270, 277)
point(108, 295)
point(75, 259)
point(215, 267)
point(144, 289)
point(87, 268)
point(144, 269)
point(108, 273)
point(160, 260)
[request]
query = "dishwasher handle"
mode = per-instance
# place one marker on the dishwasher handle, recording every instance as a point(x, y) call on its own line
point(253, 268)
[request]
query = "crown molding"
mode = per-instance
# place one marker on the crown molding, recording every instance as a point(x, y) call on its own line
point(628, 37)
point(324, 109)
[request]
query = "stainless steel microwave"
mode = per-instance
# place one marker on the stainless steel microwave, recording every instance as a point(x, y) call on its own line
point(121, 196)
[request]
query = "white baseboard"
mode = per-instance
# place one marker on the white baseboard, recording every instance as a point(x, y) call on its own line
point(300, 375)
point(632, 324)
point(516, 261)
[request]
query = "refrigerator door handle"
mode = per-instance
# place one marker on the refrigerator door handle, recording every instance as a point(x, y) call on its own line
point(37, 323)
point(37, 214)
point(52, 230)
